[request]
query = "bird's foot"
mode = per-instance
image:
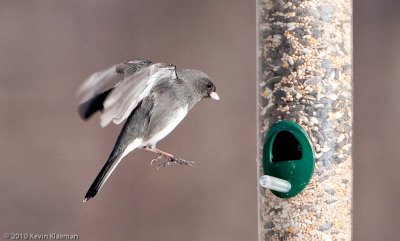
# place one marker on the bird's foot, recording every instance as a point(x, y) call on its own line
point(180, 161)
point(155, 160)
point(170, 159)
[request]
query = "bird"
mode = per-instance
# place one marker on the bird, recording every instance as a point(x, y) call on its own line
point(152, 99)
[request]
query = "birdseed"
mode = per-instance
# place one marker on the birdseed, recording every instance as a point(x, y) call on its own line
point(305, 76)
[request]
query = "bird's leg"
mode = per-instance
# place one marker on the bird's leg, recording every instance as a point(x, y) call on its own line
point(171, 158)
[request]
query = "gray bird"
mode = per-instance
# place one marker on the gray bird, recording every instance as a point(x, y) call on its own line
point(153, 98)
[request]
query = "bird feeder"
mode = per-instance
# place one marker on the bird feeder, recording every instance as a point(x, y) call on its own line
point(305, 119)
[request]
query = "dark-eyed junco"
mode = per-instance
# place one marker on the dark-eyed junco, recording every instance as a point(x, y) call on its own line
point(153, 98)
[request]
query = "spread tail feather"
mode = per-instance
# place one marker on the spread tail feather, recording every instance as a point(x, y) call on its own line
point(115, 157)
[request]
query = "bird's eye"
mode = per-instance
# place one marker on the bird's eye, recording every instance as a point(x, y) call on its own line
point(209, 86)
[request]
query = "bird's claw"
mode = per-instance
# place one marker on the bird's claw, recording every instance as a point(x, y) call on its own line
point(156, 159)
point(182, 162)
point(170, 161)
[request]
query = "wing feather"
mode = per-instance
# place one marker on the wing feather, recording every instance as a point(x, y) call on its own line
point(92, 93)
point(128, 93)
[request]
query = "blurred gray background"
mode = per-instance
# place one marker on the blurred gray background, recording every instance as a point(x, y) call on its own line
point(49, 157)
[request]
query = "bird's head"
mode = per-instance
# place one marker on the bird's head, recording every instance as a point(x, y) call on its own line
point(202, 84)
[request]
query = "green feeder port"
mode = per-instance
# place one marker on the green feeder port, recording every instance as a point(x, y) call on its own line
point(288, 155)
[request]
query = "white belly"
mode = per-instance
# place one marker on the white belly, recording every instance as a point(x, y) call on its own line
point(179, 115)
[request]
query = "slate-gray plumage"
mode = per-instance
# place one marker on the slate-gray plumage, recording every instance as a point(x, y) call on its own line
point(153, 98)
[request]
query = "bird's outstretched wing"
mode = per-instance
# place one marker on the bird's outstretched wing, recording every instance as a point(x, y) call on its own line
point(125, 97)
point(92, 93)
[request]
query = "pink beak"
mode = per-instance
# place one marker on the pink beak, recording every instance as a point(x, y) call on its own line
point(214, 96)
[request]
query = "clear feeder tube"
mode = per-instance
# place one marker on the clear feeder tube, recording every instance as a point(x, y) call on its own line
point(305, 76)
